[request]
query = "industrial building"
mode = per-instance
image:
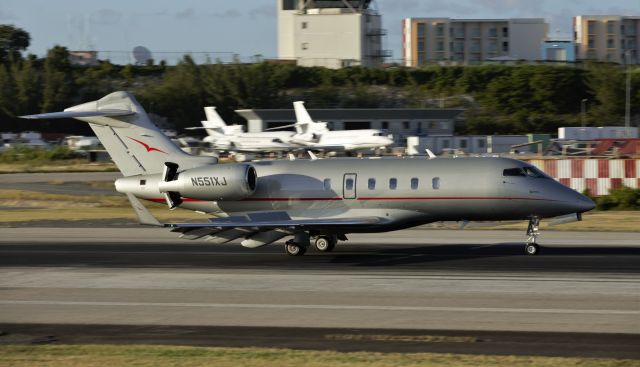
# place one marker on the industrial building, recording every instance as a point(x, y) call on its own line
point(468, 144)
point(332, 34)
point(470, 41)
point(401, 122)
point(612, 38)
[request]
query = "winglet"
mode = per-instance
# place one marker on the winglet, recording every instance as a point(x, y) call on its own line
point(311, 155)
point(430, 154)
point(143, 214)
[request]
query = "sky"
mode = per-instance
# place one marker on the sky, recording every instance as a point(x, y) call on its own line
point(225, 27)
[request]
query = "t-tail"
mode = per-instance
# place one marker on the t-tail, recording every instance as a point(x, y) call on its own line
point(135, 144)
point(304, 123)
point(214, 124)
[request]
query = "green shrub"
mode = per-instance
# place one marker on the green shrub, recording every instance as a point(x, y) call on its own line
point(23, 153)
point(624, 198)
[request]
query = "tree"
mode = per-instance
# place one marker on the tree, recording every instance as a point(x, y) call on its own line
point(179, 95)
point(57, 79)
point(28, 81)
point(7, 93)
point(13, 40)
point(607, 84)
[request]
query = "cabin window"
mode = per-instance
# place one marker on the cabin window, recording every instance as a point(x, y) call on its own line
point(372, 184)
point(349, 184)
point(513, 172)
point(435, 183)
point(327, 184)
point(414, 183)
point(143, 182)
point(393, 183)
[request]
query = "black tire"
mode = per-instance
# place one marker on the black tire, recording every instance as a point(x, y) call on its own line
point(325, 243)
point(531, 249)
point(293, 249)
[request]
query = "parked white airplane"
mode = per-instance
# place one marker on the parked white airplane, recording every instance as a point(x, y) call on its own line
point(317, 136)
point(233, 138)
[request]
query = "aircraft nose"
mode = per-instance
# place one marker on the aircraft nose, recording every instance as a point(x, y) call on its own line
point(583, 204)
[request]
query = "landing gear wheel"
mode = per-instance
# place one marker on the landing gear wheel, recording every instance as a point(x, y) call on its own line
point(325, 243)
point(531, 249)
point(293, 249)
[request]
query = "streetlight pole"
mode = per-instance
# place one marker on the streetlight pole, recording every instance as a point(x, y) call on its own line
point(627, 111)
point(583, 111)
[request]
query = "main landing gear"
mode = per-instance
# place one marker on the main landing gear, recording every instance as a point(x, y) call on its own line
point(326, 243)
point(298, 245)
point(294, 249)
point(533, 231)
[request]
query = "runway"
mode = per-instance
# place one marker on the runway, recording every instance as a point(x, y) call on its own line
point(410, 282)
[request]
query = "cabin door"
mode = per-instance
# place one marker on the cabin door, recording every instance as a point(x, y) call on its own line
point(349, 186)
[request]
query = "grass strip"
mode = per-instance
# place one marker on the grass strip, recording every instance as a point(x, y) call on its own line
point(34, 206)
point(75, 165)
point(141, 355)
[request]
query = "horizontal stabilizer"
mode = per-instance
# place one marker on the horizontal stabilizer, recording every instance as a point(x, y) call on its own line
point(78, 114)
point(285, 126)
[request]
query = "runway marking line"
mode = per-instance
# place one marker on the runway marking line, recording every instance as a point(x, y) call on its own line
point(325, 307)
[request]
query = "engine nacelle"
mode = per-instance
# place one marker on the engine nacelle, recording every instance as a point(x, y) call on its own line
point(217, 183)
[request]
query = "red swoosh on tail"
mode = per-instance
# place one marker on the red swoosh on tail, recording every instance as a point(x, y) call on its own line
point(146, 146)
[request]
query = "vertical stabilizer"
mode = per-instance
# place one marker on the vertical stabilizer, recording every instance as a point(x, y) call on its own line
point(213, 118)
point(135, 144)
point(303, 119)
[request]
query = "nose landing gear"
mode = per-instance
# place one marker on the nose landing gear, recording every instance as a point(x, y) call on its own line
point(533, 231)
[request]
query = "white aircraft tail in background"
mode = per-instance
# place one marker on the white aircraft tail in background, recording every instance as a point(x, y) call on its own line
point(233, 138)
point(316, 134)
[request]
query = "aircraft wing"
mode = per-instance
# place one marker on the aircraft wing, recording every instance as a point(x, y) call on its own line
point(247, 222)
point(229, 228)
point(222, 230)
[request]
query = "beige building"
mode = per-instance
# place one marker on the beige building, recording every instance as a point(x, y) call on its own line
point(327, 33)
point(607, 38)
point(469, 41)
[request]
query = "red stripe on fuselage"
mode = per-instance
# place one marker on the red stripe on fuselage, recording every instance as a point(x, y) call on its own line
point(367, 199)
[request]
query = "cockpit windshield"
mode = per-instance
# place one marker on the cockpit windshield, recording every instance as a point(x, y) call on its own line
point(526, 171)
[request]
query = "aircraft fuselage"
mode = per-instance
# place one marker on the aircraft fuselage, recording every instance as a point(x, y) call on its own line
point(408, 192)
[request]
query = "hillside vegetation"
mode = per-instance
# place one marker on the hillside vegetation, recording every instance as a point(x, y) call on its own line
point(499, 98)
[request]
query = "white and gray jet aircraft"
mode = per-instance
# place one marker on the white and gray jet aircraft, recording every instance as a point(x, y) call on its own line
point(321, 200)
point(233, 138)
point(315, 135)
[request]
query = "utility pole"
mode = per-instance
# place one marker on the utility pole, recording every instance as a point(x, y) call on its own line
point(583, 110)
point(627, 115)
